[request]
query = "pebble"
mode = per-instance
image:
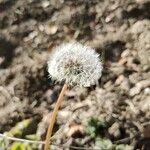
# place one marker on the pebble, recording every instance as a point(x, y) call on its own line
point(147, 91)
point(51, 29)
point(134, 91)
point(45, 4)
point(139, 86)
point(114, 130)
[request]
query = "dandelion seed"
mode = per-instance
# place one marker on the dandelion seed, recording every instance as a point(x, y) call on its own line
point(75, 64)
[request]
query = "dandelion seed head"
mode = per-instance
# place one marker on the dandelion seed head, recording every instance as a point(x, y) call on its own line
point(75, 64)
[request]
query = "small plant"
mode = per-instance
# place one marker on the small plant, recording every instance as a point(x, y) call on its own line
point(95, 127)
point(74, 64)
point(103, 144)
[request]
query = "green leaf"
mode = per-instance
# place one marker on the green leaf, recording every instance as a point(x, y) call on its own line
point(20, 146)
point(17, 146)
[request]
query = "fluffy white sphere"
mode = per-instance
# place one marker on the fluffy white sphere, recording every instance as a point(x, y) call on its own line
point(75, 64)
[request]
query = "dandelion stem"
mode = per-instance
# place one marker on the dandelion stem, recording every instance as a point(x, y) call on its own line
point(53, 118)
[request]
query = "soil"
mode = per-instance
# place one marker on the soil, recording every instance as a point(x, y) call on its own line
point(120, 33)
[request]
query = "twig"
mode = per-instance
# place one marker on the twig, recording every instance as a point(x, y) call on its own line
point(53, 118)
point(42, 143)
point(126, 139)
point(21, 140)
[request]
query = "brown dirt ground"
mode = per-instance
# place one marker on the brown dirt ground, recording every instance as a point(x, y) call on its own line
point(118, 30)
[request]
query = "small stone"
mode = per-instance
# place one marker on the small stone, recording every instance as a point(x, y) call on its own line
point(145, 104)
point(134, 91)
point(139, 86)
point(41, 27)
point(45, 4)
point(63, 115)
point(147, 91)
point(109, 18)
point(143, 84)
point(119, 80)
point(71, 94)
point(125, 85)
point(114, 130)
point(51, 29)
point(126, 53)
point(33, 34)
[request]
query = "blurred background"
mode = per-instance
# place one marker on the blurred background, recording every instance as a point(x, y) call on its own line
point(114, 114)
